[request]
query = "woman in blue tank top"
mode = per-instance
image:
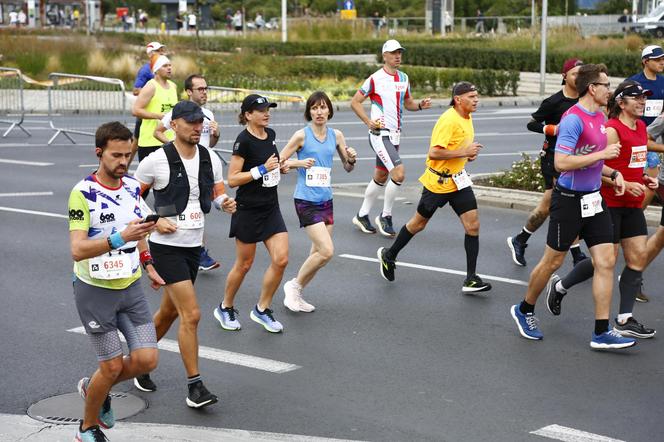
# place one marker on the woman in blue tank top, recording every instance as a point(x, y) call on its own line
point(315, 146)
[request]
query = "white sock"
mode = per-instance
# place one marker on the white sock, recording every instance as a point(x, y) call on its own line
point(623, 317)
point(391, 191)
point(559, 287)
point(370, 197)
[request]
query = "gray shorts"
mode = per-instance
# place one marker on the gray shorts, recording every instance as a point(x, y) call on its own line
point(104, 312)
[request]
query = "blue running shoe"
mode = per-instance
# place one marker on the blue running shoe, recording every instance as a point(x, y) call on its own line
point(207, 262)
point(266, 319)
point(611, 339)
point(106, 418)
point(92, 434)
point(518, 251)
point(527, 324)
point(227, 319)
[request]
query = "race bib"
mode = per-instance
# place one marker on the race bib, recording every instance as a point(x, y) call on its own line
point(191, 218)
point(638, 158)
point(591, 204)
point(653, 108)
point(271, 178)
point(112, 265)
point(462, 180)
point(395, 137)
point(318, 176)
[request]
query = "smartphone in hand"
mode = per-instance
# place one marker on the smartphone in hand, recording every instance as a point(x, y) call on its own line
point(150, 218)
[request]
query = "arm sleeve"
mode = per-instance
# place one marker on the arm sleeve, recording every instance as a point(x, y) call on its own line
point(569, 131)
point(539, 117)
point(79, 212)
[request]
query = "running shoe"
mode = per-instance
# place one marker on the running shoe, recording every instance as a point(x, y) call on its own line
point(528, 324)
point(92, 434)
point(384, 224)
point(475, 284)
point(363, 223)
point(207, 262)
point(518, 251)
point(227, 319)
point(266, 319)
point(642, 297)
point(144, 383)
point(293, 299)
point(199, 396)
point(106, 418)
point(610, 339)
point(578, 258)
point(634, 328)
point(553, 297)
point(387, 266)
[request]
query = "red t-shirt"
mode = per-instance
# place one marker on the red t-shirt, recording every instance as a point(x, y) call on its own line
point(630, 162)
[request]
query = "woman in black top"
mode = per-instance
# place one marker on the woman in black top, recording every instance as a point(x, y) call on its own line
point(255, 170)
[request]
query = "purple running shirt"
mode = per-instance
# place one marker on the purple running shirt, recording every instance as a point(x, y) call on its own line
point(582, 132)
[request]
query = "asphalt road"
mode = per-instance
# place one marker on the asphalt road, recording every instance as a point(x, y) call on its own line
point(409, 360)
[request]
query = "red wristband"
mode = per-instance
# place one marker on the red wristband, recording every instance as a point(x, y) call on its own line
point(551, 130)
point(145, 256)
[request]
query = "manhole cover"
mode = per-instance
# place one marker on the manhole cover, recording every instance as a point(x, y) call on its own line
point(68, 408)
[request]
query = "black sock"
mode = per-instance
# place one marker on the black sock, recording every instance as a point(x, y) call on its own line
point(399, 243)
point(523, 236)
point(472, 246)
point(630, 283)
point(193, 379)
point(576, 252)
point(526, 308)
point(601, 325)
point(579, 273)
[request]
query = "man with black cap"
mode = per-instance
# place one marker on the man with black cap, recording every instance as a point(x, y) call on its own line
point(545, 121)
point(389, 91)
point(445, 180)
point(187, 181)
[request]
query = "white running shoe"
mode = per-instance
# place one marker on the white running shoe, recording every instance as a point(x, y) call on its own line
point(293, 298)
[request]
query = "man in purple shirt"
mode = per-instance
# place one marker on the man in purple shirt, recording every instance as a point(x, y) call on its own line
point(577, 208)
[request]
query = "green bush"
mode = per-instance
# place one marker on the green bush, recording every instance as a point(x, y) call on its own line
point(524, 175)
point(31, 63)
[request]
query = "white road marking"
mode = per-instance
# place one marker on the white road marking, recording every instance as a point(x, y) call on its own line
point(566, 434)
point(228, 357)
point(26, 194)
point(418, 156)
point(438, 269)
point(33, 212)
point(22, 427)
point(25, 163)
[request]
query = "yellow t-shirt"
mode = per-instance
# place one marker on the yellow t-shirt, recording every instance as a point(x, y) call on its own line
point(451, 132)
point(162, 102)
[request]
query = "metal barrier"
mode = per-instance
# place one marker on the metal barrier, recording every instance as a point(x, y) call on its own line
point(75, 103)
point(226, 101)
point(12, 106)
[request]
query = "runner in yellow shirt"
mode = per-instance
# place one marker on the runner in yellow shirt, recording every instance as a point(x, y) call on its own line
point(445, 180)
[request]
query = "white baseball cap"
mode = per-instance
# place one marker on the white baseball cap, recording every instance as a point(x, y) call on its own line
point(652, 51)
point(153, 46)
point(392, 45)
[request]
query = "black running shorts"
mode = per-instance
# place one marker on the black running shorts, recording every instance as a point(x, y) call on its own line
point(175, 264)
point(462, 201)
point(566, 223)
point(549, 172)
point(256, 224)
point(628, 222)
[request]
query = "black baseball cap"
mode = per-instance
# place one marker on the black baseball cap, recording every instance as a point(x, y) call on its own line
point(255, 101)
point(632, 90)
point(460, 88)
point(187, 110)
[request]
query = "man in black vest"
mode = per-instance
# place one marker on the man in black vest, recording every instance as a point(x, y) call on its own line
point(187, 181)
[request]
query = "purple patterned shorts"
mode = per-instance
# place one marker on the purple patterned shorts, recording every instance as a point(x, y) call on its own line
point(313, 213)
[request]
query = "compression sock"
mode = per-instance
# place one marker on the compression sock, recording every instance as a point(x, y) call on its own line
point(472, 246)
point(403, 237)
point(581, 272)
point(370, 197)
point(630, 283)
point(391, 191)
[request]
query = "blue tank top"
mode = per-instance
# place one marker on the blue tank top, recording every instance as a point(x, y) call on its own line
point(323, 153)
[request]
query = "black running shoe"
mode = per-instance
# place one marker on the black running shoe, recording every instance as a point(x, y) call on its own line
point(199, 396)
point(632, 328)
point(384, 224)
point(553, 297)
point(475, 284)
point(144, 383)
point(363, 223)
point(387, 266)
point(518, 251)
point(578, 258)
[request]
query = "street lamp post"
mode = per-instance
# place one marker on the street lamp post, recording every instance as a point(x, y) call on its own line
point(545, 6)
point(284, 22)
